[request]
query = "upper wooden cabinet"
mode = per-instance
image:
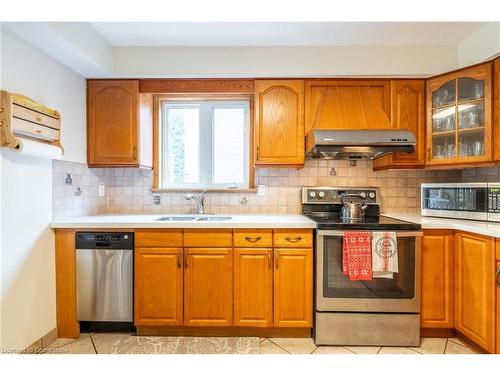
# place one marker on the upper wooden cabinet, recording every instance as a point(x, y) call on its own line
point(407, 112)
point(459, 117)
point(119, 124)
point(347, 104)
point(437, 279)
point(475, 288)
point(279, 122)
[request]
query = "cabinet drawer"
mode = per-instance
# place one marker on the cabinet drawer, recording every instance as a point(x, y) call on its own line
point(158, 238)
point(253, 238)
point(293, 238)
point(30, 129)
point(36, 117)
point(208, 238)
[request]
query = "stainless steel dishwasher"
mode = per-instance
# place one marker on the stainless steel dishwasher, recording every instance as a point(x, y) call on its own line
point(104, 276)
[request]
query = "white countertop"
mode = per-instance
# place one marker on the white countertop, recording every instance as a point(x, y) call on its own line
point(150, 221)
point(479, 227)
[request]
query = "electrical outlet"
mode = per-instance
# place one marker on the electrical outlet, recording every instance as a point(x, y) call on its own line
point(101, 190)
point(261, 190)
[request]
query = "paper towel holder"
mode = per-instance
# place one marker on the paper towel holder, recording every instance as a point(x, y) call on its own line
point(22, 117)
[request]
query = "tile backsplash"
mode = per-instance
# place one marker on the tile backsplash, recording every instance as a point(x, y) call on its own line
point(128, 190)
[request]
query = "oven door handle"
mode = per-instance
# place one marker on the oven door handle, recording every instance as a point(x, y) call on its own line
point(340, 233)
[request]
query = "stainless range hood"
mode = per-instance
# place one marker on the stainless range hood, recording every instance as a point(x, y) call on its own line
point(357, 144)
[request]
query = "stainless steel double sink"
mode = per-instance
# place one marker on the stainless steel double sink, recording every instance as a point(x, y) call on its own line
point(194, 218)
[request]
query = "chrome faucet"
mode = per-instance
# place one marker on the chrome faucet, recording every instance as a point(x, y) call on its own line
point(199, 199)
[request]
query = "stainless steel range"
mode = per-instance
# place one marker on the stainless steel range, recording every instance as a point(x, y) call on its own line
point(381, 311)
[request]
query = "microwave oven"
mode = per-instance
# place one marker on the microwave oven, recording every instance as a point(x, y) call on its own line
point(471, 201)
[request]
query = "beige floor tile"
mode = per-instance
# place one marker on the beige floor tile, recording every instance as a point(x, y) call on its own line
point(456, 340)
point(57, 343)
point(453, 348)
point(105, 342)
point(431, 345)
point(262, 339)
point(269, 347)
point(396, 350)
point(81, 346)
point(364, 349)
point(295, 345)
point(331, 350)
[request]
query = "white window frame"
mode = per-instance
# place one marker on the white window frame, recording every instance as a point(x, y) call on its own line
point(206, 149)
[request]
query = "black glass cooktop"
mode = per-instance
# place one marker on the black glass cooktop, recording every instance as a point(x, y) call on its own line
point(332, 221)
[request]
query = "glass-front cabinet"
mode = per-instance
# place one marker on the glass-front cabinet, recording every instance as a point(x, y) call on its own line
point(459, 117)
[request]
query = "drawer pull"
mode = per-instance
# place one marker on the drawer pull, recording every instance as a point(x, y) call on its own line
point(39, 119)
point(179, 265)
point(293, 239)
point(496, 277)
point(253, 239)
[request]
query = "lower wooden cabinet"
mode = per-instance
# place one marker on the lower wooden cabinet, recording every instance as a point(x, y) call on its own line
point(475, 288)
point(158, 286)
point(437, 279)
point(208, 287)
point(253, 287)
point(293, 287)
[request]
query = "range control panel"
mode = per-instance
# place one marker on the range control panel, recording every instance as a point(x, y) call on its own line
point(333, 195)
point(494, 199)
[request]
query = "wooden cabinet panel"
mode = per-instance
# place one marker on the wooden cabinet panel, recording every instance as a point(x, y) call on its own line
point(407, 112)
point(293, 238)
point(459, 124)
point(208, 238)
point(253, 287)
point(347, 104)
point(279, 120)
point(497, 249)
point(437, 279)
point(208, 287)
point(253, 238)
point(158, 286)
point(475, 288)
point(119, 124)
point(293, 287)
point(158, 237)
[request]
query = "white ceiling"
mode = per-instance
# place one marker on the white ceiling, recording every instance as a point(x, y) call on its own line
point(284, 33)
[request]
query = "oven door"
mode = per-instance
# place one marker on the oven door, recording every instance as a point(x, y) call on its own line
point(335, 292)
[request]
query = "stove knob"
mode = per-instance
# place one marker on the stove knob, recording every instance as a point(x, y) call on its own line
point(321, 194)
point(362, 195)
point(371, 195)
point(312, 194)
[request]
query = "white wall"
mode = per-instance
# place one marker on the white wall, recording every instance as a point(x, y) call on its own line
point(27, 245)
point(411, 61)
point(480, 46)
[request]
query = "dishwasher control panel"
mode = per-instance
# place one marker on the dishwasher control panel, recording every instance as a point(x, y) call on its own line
point(105, 240)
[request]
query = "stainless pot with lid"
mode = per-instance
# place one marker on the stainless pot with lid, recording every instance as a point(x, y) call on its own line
point(351, 210)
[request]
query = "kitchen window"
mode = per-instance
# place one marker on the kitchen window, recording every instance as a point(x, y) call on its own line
point(204, 144)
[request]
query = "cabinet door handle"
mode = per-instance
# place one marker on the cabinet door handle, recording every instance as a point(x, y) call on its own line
point(293, 239)
point(429, 151)
point(276, 259)
point(496, 277)
point(269, 259)
point(186, 261)
point(258, 153)
point(253, 239)
point(134, 153)
point(179, 256)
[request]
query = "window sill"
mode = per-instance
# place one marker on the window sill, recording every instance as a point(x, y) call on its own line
point(173, 190)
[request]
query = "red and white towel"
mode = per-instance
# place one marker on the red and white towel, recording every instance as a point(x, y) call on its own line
point(384, 254)
point(357, 256)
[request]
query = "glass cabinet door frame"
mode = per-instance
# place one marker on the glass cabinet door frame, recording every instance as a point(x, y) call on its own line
point(480, 72)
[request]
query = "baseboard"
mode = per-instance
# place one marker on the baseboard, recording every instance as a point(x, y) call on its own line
point(38, 345)
point(437, 332)
point(223, 331)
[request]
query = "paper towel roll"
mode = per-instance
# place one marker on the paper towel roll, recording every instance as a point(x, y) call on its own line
point(38, 149)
